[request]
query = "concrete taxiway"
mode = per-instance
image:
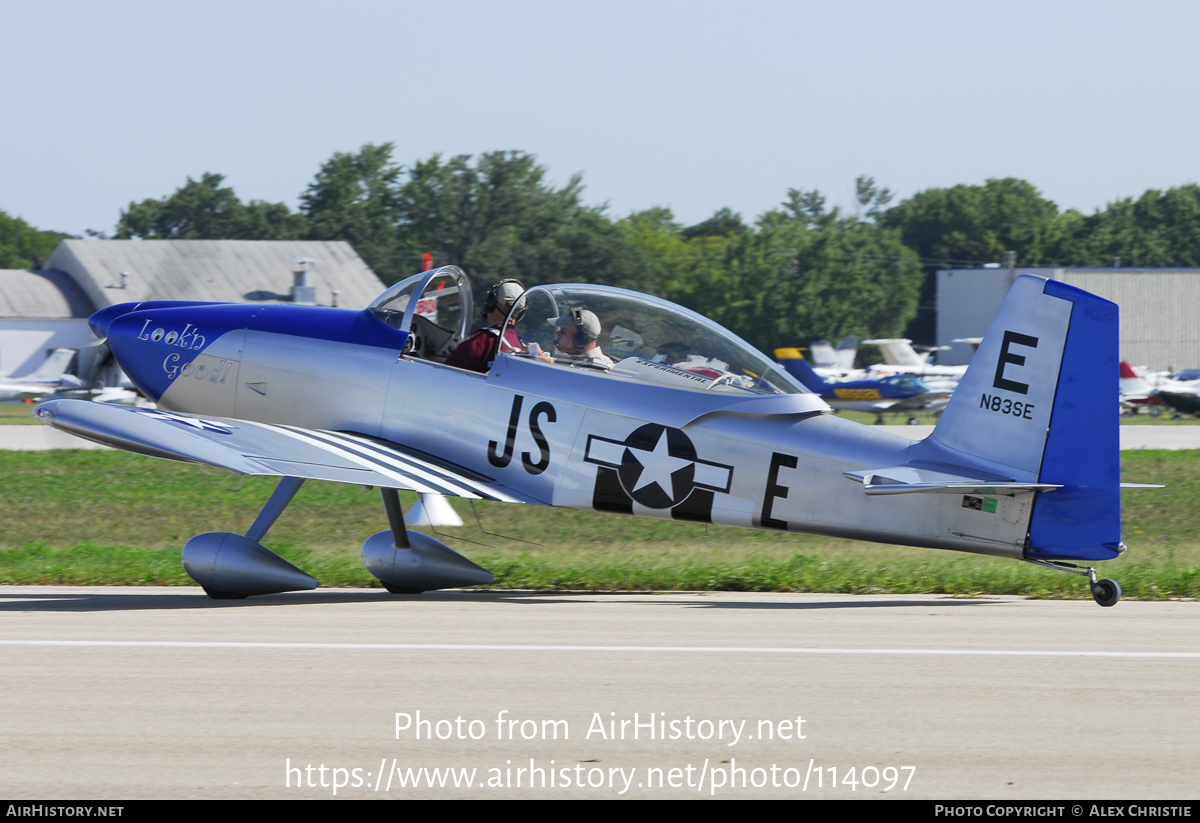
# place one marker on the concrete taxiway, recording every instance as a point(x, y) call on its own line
point(1132, 437)
point(154, 692)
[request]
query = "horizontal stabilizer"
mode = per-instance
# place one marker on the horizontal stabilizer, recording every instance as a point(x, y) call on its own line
point(910, 480)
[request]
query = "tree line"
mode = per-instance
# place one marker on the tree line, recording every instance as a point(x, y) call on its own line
point(798, 272)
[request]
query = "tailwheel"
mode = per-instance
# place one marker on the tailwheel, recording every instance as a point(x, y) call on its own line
point(1106, 592)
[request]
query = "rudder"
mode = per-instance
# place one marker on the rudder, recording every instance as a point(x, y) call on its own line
point(1082, 520)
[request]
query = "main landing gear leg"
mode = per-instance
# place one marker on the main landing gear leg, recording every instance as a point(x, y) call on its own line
point(232, 566)
point(1106, 592)
point(283, 494)
point(395, 516)
point(412, 562)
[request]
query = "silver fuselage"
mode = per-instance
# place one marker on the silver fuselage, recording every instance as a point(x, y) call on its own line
point(561, 436)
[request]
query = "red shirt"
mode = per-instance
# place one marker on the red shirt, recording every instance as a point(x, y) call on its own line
point(479, 350)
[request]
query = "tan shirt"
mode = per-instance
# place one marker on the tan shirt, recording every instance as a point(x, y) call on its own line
point(591, 357)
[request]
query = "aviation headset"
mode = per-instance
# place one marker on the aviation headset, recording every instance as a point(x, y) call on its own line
point(492, 301)
point(581, 337)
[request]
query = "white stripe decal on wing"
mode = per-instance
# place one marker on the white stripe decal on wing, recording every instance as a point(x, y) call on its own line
point(407, 481)
point(389, 459)
point(380, 449)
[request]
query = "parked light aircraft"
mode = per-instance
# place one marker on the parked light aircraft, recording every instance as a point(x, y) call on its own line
point(831, 362)
point(894, 394)
point(1180, 391)
point(899, 357)
point(49, 377)
point(1182, 401)
point(1134, 393)
point(691, 423)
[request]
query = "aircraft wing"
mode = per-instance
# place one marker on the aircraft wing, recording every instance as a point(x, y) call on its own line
point(918, 402)
point(262, 449)
point(16, 391)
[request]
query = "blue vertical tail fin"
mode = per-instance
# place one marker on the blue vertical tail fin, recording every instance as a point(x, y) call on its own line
point(1039, 403)
point(794, 364)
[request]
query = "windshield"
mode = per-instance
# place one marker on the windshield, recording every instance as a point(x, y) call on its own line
point(906, 382)
point(434, 304)
point(395, 299)
point(632, 336)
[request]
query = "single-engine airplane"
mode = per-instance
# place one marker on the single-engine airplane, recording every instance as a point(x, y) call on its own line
point(50, 376)
point(834, 363)
point(688, 423)
point(894, 394)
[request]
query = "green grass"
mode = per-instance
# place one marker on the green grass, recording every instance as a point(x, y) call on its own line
point(101, 517)
point(17, 414)
point(928, 419)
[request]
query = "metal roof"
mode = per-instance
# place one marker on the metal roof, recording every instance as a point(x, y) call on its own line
point(37, 294)
point(1158, 307)
point(226, 271)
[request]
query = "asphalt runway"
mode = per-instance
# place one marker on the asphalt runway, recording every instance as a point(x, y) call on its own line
point(153, 692)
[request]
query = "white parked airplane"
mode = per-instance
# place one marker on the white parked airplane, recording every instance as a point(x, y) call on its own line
point(49, 377)
point(835, 364)
point(899, 357)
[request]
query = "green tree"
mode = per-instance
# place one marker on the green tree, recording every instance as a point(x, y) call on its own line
point(965, 226)
point(970, 225)
point(723, 223)
point(1158, 229)
point(499, 218)
point(21, 245)
point(872, 200)
point(355, 198)
point(809, 273)
point(687, 266)
point(203, 210)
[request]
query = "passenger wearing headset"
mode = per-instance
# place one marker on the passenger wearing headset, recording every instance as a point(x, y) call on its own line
point(477, 352)
point(575, 341)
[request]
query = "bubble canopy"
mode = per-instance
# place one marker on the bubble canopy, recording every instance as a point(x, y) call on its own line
point(648, 340)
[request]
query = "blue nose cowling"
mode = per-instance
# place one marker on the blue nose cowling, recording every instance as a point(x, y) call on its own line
point(101, 320)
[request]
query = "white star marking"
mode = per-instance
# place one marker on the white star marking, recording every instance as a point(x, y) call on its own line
point(194, 422)
point(658, 466)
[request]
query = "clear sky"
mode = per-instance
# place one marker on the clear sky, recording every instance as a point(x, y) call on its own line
point(692, 105)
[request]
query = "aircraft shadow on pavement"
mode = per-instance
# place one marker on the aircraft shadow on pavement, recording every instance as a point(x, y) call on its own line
point(845, 604)
point(92, 601)
point(99, 601)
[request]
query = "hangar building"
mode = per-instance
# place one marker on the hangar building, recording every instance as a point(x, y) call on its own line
point(1159, 327)
point(47, 309)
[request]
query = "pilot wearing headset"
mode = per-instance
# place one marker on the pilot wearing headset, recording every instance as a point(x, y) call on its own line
point(575, 340)
point(477, 352)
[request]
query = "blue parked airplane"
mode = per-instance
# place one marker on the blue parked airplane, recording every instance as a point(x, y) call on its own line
point(895, 394)
point(604, 399)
